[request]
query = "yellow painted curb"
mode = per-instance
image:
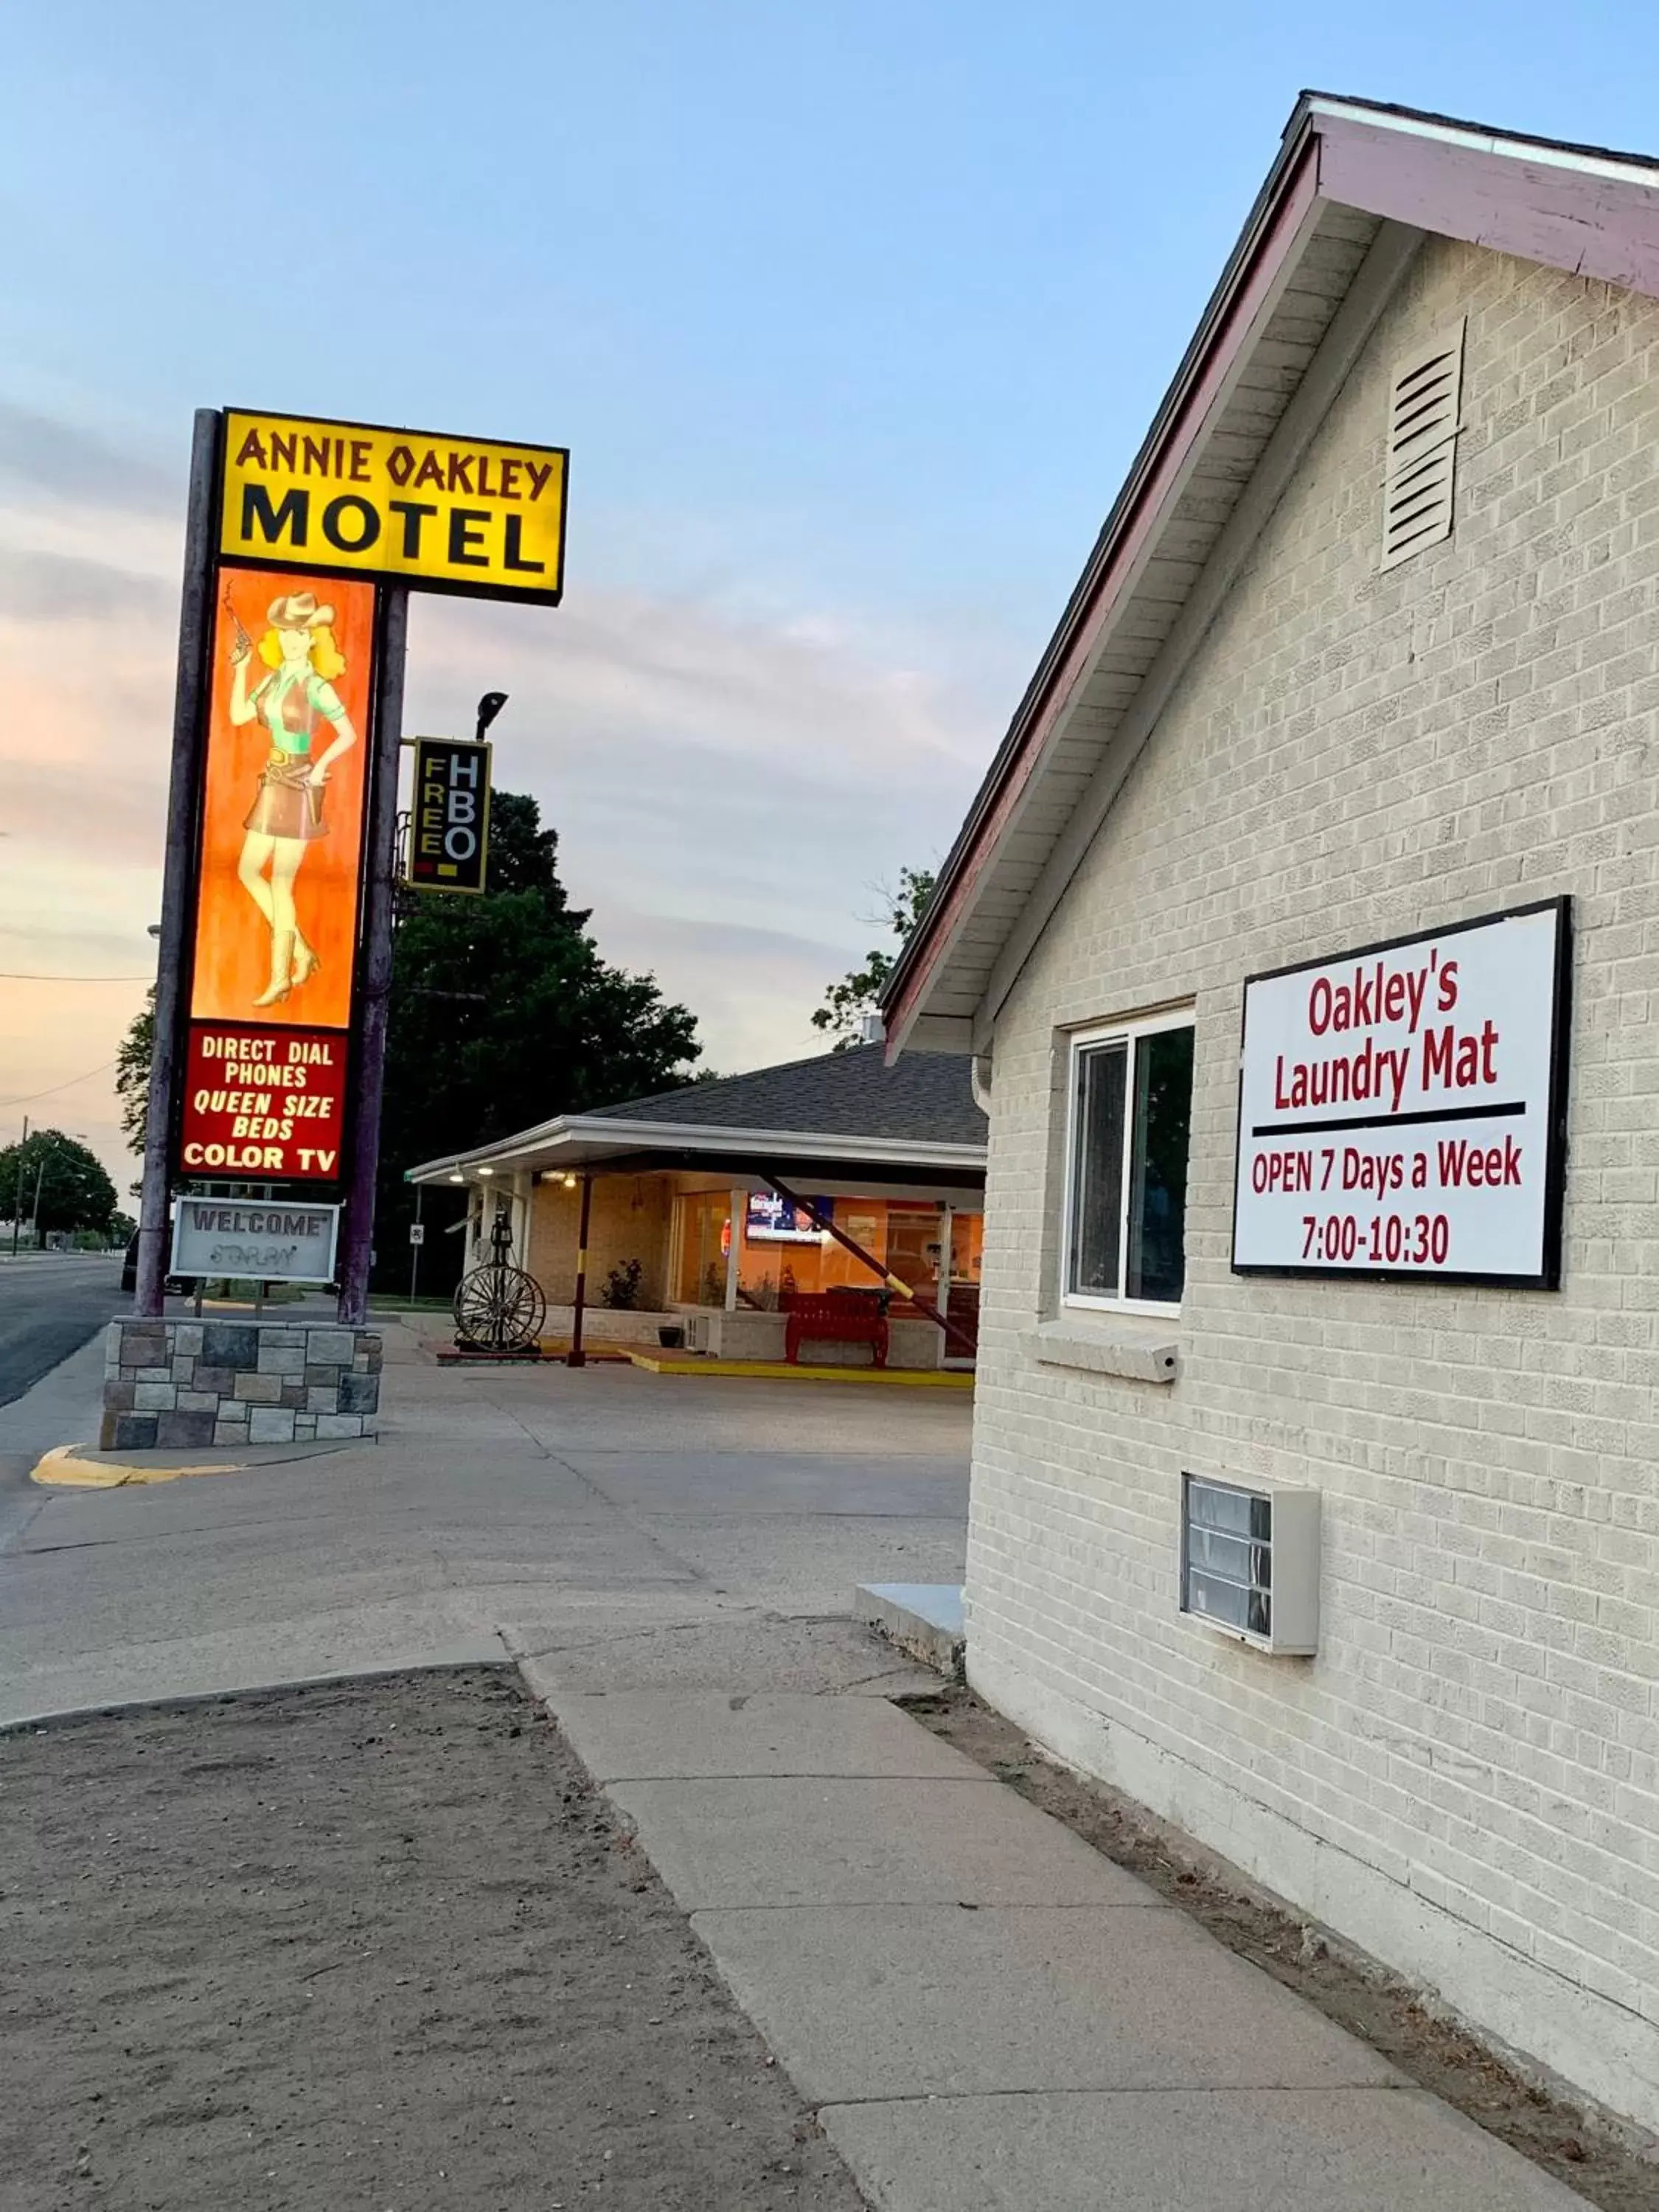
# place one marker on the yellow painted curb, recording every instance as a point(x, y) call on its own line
point(902, 1378)
point(64, 1468)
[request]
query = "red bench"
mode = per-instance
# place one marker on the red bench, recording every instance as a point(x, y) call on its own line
point(836, 1317)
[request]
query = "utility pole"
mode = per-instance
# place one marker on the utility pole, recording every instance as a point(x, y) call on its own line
point(17, 1194)
point(39, 1178)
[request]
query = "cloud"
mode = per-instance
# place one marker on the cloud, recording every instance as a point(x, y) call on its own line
point(53, 587)
point(701, 758)
point(733, 770)
point(70, 463)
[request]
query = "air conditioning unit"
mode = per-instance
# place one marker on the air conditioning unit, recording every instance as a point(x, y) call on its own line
point(1249, 1563)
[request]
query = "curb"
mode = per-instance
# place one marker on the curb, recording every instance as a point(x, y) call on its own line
point(778, 1371)
point(64, 1468)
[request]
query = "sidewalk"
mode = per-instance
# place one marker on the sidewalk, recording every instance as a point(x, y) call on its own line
point(988, 2015)
point(608, 1516)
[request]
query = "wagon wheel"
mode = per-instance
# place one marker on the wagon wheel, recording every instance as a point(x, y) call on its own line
point(499, 1308)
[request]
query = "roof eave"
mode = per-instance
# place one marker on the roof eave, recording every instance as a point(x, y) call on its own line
point(1594, 213)
point(1296, 153)
point(612, 1133)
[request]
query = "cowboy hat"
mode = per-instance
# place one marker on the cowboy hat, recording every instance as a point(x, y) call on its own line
point(300, 610)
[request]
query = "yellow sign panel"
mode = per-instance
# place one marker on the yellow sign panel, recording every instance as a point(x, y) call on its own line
point(441, 514)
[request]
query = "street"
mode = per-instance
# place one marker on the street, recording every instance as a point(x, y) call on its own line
point(50, 1304)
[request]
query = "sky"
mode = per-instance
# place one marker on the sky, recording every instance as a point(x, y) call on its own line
point(852, 315)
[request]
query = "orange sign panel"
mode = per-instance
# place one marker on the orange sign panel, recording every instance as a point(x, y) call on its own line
point(283, 823)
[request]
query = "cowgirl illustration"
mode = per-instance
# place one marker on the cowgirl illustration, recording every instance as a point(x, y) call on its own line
point(292, 701)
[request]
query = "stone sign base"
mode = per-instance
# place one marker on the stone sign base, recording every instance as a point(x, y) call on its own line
point(189, 1382)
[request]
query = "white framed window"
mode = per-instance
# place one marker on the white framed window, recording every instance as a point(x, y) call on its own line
point(1127, 1138)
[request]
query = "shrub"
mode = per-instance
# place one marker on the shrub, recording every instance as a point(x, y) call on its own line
point(622, 1286)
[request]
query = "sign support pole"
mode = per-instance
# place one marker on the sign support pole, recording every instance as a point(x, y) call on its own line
point(577, 1356)
point(189, 735)
point(375, 985)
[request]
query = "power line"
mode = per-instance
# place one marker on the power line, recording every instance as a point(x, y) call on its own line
point(29, 1098)
point(8, 976)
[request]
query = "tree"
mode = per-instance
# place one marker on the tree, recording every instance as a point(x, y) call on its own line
point(502, 1015)
point(132, 1066)
point(523, 856)
point(858, 994)
point(73, 1190)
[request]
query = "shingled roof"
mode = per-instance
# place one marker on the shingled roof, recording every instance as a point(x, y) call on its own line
point(837, 1115)
point(927, 1096)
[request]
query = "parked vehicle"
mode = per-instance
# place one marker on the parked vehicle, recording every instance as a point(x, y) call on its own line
point(177, 1286)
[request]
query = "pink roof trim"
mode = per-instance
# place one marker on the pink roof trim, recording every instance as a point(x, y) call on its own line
point(1576, 219)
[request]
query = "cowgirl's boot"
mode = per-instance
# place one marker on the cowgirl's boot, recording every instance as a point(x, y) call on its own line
point(307, 960)
point(282, 961)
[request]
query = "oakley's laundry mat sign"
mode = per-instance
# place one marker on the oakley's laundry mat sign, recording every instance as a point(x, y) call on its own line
point(1403, 1110)
point(458, 514)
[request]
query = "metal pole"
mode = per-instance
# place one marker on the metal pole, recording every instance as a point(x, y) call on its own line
point(414, 1250)
point(188, 737)
point(577, 1356)
point(40, 1176)
point(17, 1194)
point(739, 1203)
point(375, 982)
point(953, 1334)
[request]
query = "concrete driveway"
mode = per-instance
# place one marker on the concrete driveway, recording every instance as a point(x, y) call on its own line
point(617, 1524)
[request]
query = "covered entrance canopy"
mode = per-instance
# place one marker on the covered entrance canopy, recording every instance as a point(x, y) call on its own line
point(688, 1217)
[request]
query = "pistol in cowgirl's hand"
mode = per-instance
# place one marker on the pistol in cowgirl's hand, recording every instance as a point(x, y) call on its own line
point(241, 644)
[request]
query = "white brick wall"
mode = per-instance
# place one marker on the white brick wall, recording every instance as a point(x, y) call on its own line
point(1467, 1777)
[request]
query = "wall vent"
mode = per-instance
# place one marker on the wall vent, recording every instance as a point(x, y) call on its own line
point(1250, 1562)
point(1425, 401)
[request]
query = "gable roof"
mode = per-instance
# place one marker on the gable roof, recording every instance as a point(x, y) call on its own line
point(846, 1113)
point(1356, 188)
point(844, 1094)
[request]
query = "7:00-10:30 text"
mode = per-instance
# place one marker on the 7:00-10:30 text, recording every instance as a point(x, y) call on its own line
point(1387, 1240)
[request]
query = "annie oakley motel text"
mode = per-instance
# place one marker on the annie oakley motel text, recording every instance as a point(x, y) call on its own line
point(354, 520)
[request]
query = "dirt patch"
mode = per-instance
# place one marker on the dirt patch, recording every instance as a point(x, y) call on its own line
point(1589, 2155)
point(378, 1944)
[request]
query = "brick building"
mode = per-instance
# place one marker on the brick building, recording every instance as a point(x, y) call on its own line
point(681, 1203)
point(1367, 652)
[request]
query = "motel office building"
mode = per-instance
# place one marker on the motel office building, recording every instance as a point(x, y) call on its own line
point(680, 1197)
point(1306, 932)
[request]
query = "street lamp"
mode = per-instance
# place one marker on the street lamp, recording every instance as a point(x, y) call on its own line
point(488, 707)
